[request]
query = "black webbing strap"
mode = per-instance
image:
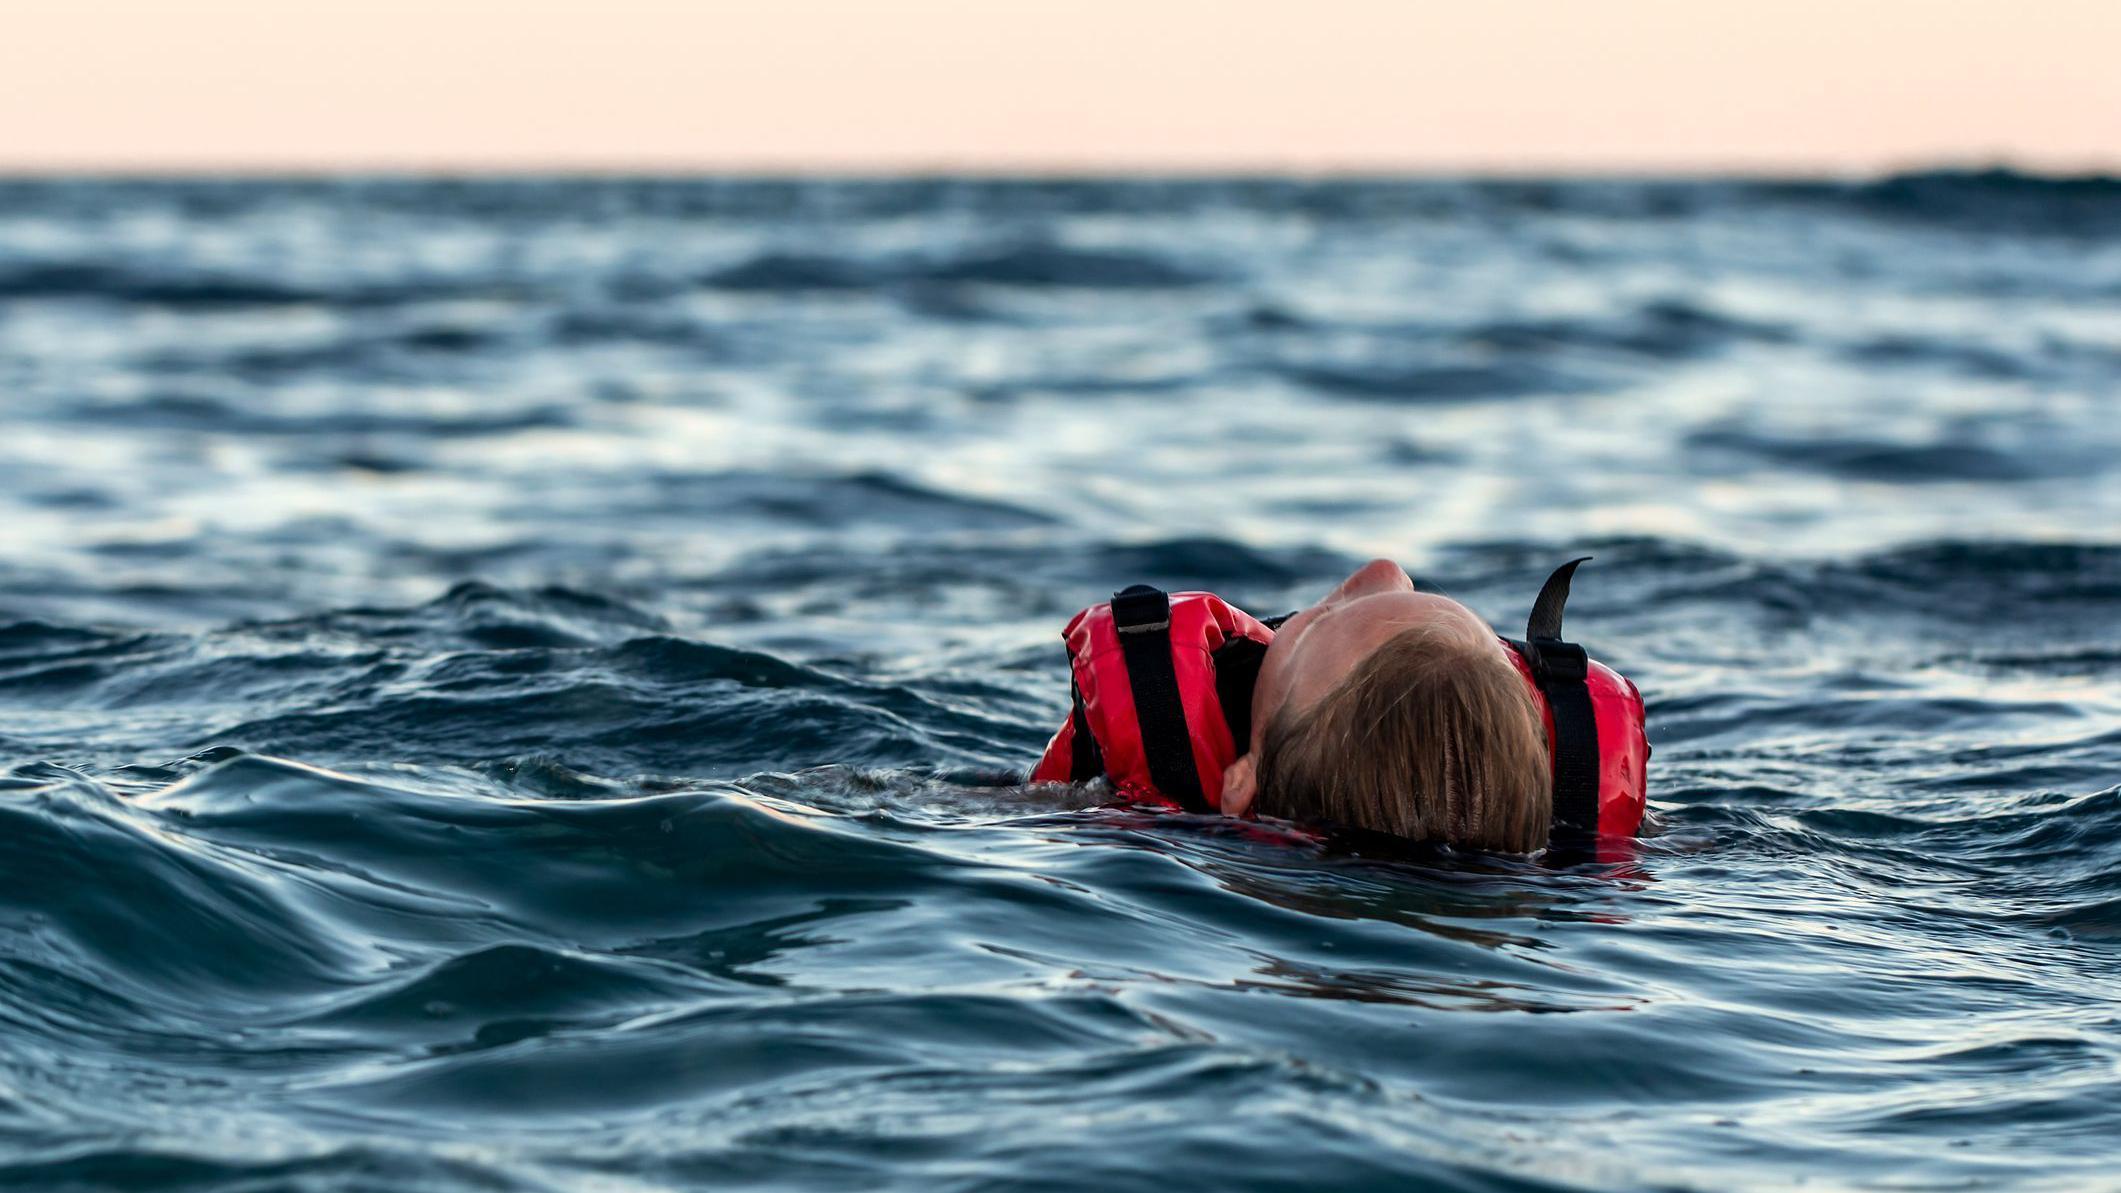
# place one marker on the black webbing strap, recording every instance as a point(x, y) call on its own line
point(1087, 761)
point(1142, 615)
point(1237, 663)
point(1562, 671)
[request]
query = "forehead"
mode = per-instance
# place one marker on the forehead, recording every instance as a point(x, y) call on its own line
point(1383, 614)
point(1333, 637)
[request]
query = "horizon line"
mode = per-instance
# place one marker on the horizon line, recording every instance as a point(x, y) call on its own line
point(1040, 169)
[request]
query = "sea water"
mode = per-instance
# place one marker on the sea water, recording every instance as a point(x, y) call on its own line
point(522, 684)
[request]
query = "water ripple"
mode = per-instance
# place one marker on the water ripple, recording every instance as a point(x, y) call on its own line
point(522, 684)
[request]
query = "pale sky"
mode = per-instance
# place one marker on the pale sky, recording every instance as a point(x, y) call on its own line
point(1515, 85)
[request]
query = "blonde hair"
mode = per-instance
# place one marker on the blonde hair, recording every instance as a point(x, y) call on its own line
point(1432, 737)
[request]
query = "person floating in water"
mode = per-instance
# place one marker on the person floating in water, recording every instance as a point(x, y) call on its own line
point(1380, 709)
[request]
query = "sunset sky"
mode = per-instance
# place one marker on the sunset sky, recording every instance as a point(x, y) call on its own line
point(1517, 85)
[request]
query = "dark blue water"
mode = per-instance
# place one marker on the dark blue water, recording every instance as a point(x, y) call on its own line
point(514, 685)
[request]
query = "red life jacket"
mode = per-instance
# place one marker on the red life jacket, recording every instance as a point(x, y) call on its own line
point(1167, 736)
point(1163, 704)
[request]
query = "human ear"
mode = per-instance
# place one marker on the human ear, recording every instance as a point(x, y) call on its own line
point(1240, 784)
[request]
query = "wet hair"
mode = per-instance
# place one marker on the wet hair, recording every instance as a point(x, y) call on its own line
point(1432, 737)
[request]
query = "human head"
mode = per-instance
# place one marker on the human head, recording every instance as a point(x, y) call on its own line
point(1397, 711)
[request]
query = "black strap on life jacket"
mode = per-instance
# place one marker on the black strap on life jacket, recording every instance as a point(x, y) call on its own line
point(1562, 671)
point(1237, 663)
point(1142, 615)
point(1086, 760)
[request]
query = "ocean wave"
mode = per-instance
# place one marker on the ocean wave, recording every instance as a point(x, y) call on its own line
point(178, 407)
point(1032, 264)
point(1883, 462)
point(161, 286)
point(1437, 382)
point(1664, 329)
point(831, 500)
point(1997, 198)
point(524, 683)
